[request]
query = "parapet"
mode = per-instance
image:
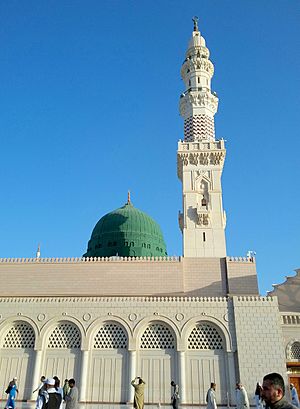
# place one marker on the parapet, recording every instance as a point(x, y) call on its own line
point(89, 259)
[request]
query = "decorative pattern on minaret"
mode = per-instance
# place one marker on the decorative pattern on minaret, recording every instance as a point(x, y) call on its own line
point(199, 127)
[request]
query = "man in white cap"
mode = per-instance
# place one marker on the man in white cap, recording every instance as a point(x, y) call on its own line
point(50, 397)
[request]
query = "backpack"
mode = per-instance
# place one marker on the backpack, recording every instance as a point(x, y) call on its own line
point(8, 389)
point(53, 402)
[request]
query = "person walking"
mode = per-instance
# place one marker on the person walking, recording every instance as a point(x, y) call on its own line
point(211, 397)
point(12, 394)
point(139, 386)
point(41, 388)
point(41, 384)
point(257, 396)
point(175, 395)
point(72, 397)
point(294, 395)
point(66, 388)
point(273, 391)
point(242, 401)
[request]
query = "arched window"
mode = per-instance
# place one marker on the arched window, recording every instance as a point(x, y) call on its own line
point(20, 335)
point(157, 336)
point(295, 350)
point(110, 336)
point(205, 336)
point(65, 335)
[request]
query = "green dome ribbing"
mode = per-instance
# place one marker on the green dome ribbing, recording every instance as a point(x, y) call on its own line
point(126, 232)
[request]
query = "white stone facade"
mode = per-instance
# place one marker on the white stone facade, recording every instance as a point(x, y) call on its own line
point(104, 342)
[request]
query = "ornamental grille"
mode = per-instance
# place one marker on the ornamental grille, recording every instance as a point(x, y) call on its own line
point(110, 336)
point(64, 336)
point(204, 336)
point(157, 336)
point(199, 127)
point(19, 336)
point(295, 350)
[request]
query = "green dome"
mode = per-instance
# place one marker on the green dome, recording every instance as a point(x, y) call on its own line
point(126, 232)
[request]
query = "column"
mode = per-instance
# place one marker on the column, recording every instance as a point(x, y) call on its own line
point(36, 378)
point(83, 375)
point(182, 391)
point(132, 373)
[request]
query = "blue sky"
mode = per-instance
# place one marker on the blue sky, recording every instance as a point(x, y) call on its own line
point(89, 109)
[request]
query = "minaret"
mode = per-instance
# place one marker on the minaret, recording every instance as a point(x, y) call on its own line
point(200, 157)
point(38, 252)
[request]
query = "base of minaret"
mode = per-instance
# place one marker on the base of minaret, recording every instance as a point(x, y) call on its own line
point(204, 243)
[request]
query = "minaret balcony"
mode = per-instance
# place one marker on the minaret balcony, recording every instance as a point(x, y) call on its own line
point(198, 99)
point(202, 146)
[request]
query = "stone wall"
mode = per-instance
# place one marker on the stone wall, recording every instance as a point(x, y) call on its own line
point(259, 339)
point(241, 339)
point(170, 276)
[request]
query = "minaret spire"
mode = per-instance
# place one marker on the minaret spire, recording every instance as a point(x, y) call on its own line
point(200, 156)
point(38, 252)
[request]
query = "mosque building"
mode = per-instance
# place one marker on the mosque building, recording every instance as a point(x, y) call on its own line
point(126, 309)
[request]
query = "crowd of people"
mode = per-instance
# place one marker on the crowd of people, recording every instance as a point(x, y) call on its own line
point(269, 395)
point(50, 395)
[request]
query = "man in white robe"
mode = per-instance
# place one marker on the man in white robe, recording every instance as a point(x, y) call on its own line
point(242, 401)
point(211, 397)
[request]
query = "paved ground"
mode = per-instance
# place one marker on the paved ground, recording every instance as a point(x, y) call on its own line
point(31, 405)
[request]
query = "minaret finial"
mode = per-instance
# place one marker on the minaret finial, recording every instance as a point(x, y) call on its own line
point(128, 197)
point(38, 252)
point(195, 20)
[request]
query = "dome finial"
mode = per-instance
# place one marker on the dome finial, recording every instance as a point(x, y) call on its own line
point(195, 20)
point(128, 197)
